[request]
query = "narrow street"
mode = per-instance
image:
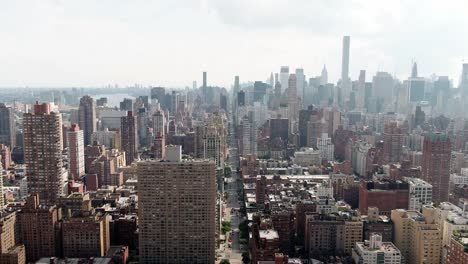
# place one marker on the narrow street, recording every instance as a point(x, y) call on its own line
point(232, 205)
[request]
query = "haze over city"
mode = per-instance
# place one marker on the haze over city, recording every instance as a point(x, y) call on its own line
point(55, 43)
point(233, 132)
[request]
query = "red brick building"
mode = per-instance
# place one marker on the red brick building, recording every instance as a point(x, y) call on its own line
point(457, 251)
point(264, 244)
point(385, 195)
point(283, 223)
point(435, 165)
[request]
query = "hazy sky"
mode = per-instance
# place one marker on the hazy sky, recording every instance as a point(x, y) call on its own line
point(170, 42)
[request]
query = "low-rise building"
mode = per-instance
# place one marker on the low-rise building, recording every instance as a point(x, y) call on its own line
point(375, 251)
point(420, 193)
point(457, 251)
point(307, 157)
point(84, 237)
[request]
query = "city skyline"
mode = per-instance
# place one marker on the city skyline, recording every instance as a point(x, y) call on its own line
point(64, 44)
point(233, 132)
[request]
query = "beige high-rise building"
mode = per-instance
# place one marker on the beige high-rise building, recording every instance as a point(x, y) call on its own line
point(43, 144)
point(353, 229)
point(8, 231)
point(177, 203)
point(38, 227)
point(84, 237)
point(331, 234)
point(417, 235)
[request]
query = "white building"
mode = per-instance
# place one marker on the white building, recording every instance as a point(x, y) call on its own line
point(326, 205)
point(324, 191)
point(76, 160)
point(260, 114)
point(359, 157)
point(111, 118)
point(376, 251)
point(458, 179)
point(284, 77)
point(451, 218)
point(307, 157)
point(23, 187)
point(420, 193)
point(249, 136)
point(326, 147)
point(105, 137)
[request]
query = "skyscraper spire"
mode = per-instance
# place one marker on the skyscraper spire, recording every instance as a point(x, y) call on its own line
point(272, 80)
point(324, 75)
point(414, 70)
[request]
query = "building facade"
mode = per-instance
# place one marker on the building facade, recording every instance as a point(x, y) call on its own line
point(75, 144)
point(129, 137)
point(7, 126)
point(177, 201)
point(417, 235)
point(87, 118)
point(43, 144)
point(436, 165)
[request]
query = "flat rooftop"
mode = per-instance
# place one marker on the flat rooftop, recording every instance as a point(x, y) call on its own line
point(268, 234)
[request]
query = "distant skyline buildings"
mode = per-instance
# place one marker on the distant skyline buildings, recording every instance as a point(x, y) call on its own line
point(228, 29)
point(87, 118)
point(345, 64)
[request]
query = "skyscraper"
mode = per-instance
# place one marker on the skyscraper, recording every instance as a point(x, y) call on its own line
point(87, 118)
point(324, 75)
point(382, 85)
point(279, 127)
point(300, 83)
point(284, 77)
point(128, 132)
point(212, 147)
point(177, 201)
point(361, 90)
point(393, 142)
point(277, 86)
point(305, 116)
point(464, 80)
point(249, 135)
point(416, 89)
point(345, 82)
point(7, 126)
point(435, 163)
point(157, 95)
point(159, 123)
point(414, 71)
point(236, 84)
point(292, 102)
point(159, 146)
point(205, 79)
point(75, 152)
point(42, 135)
